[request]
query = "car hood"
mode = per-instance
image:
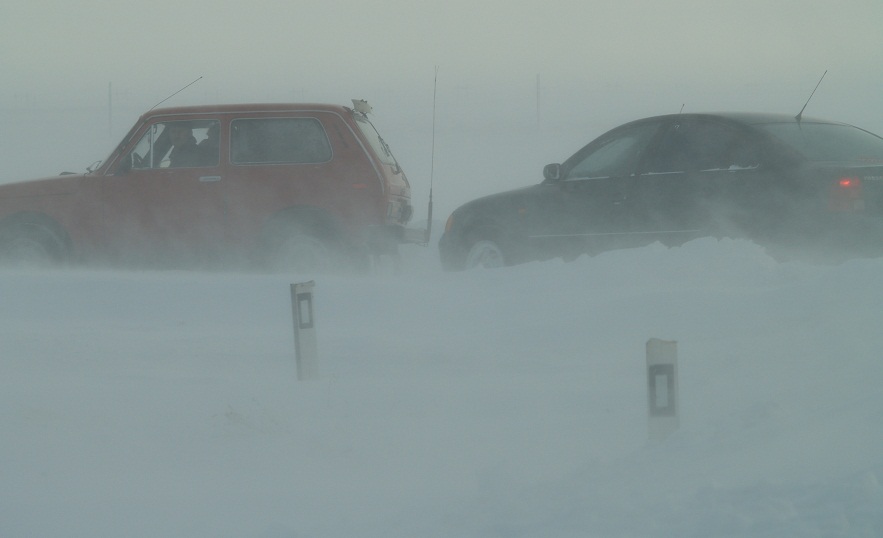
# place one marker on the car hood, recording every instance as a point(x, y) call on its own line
point(502, 209)
point(514, 196)
point(48, 186)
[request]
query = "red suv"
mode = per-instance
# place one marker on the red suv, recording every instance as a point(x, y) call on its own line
point(295, 186)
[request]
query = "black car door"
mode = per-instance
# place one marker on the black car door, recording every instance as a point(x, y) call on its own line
point(586, 207)
point(702, 178)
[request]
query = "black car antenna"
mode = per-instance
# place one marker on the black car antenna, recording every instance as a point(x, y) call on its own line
point(800, 114)
point(428, 234)
point(176, 93)
point(678, 119)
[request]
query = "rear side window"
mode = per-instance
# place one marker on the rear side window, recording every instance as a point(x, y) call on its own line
point(279, 141)
point(378, 144)
point(829, 141)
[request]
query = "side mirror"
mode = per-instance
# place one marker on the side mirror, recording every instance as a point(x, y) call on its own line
point(552, 172)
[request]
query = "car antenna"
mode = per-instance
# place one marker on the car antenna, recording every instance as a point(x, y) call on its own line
point(678, 118)
point(176, 93)
point(428, 234)
point(800, 114)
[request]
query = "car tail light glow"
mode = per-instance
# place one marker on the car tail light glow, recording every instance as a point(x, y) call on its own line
point(846, 195)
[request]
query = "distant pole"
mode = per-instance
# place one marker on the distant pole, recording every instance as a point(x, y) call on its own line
point(538, 101)
point(110, 110)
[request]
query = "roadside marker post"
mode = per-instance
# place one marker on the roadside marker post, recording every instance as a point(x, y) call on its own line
point(304, 331)
point(662, 388)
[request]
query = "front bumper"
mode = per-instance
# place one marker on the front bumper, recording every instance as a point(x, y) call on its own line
point(450, 253)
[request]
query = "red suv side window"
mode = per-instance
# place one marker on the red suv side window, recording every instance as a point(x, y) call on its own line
point(278, 141)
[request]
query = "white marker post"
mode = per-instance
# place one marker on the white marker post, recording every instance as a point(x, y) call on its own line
point(662, 388)
point(304, 331)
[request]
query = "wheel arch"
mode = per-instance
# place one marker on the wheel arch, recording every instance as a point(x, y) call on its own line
point(470, 232)
point(485, 228)
point(40, 223)
point(343, 249)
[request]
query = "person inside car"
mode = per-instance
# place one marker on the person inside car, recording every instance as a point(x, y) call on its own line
point(210, 145)
point(185, 151)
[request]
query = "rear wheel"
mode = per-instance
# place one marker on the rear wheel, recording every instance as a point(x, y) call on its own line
point(310, 247)
point(301, 251)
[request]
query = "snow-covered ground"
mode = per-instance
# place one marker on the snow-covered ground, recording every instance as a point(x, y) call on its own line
point(509, 403)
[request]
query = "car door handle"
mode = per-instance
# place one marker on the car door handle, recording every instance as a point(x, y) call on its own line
point(209, 179)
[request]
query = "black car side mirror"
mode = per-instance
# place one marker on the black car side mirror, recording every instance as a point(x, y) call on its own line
point(552, 172)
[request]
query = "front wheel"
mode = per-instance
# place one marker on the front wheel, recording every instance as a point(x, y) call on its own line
point(484, 253)
point(30, 245)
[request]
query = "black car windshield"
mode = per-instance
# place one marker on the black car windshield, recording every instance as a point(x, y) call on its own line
point(828, 141)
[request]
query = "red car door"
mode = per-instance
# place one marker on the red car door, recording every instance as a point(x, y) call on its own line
point(157, 211)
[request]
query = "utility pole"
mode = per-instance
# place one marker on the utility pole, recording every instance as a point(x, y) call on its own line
point(110, 110)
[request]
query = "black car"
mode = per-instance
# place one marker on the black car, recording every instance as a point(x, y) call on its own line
point(785, 182)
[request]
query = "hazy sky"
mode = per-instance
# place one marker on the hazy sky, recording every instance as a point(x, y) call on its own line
point(69, 50)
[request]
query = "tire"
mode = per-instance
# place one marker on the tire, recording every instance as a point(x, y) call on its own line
point(300, 251)
point(31, 245)
point(307, 247)
point(484, 253)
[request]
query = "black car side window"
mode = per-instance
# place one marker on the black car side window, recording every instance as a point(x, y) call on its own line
point(614, 156)
point(701, 146)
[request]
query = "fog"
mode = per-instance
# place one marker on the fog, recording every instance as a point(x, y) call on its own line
point(517, 86)
point(507, 402)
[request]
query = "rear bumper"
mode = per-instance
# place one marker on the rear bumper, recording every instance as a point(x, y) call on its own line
point(414, 236)
point(386, 239)
point(838, 235)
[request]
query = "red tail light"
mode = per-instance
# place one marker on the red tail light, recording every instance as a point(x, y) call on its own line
point(846, 195)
